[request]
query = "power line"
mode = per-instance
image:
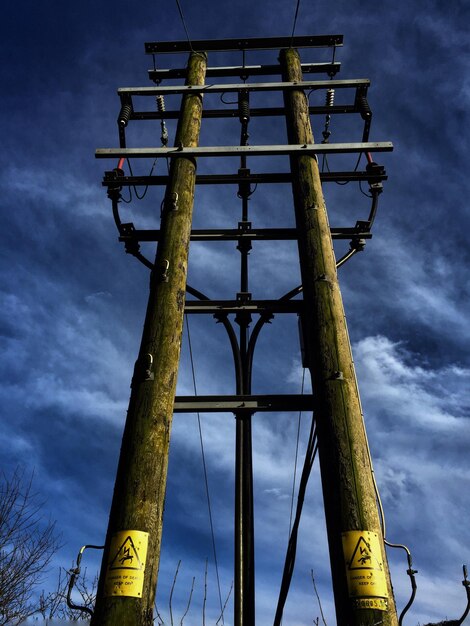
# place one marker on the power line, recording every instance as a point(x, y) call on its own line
point(205, 471)
point(296, 456)
point(312, 448)
point(184, 24)
point(295, 21)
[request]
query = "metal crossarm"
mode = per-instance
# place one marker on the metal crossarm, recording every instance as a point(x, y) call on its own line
point(248, 306)
point(247, 403)
point(230, 88)
point(224, 151)
point(245, 70)
point(111, 178)
point(254, 43)
point(252, 234)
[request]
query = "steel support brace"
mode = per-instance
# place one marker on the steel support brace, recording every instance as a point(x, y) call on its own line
point(237, 151)
point(243, 403)
point(243, 43)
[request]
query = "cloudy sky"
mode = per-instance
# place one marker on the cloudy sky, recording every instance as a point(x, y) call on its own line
point(73, 302)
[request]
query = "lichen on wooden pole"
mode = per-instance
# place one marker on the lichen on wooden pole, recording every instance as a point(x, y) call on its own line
point(139, 492)
point(351, 509)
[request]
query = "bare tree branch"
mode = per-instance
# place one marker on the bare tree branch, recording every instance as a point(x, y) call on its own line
point(27, 545)
point(318, 598)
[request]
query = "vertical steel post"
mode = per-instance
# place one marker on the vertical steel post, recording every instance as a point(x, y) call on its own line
point(244, 598)
point(139, 490)
point(347, 478)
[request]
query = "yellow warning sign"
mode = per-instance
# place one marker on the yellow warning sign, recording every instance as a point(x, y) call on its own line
point(126, 566)
point(364, 569)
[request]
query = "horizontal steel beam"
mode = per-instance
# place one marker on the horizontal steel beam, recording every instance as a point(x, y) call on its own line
point(225, 151)
point(253, 234)
point(245, 70)
point(253, 43)
point(221, 404)
point(227, 88)
point(254, 112)
point(110, 178)
point(249, 306)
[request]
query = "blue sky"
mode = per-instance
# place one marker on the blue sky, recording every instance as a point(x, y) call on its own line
point(73, 302)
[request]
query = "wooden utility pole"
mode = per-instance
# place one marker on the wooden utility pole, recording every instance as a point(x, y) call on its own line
point(130, 564)
point(353, 525)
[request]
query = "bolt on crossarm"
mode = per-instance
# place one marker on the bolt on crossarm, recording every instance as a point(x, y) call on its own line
point(137, 509)
point(355, 539)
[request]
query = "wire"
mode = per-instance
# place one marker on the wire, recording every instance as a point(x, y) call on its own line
point(367, 195)
point(184, 24)
point(312, 448)
point(295, 22)
point(134, 187)
point(227, 101)
point(296, 456)
point(205, 470)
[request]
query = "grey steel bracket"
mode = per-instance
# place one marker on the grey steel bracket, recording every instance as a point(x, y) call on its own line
point(252, 43)
point(355, 83)
point(237, 151)
point(258, 234)
point(250, 306)
point(247, 70)
point(111, 180)
point(251, 403)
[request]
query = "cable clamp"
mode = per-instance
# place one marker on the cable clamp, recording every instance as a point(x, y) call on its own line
point(357, 244)
point(163, 268)
point(127, 236)
point(143, 369)
point(170, 202)
point(243, 297)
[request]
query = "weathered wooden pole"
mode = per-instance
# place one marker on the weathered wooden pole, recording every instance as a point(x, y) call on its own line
point(130, 564)
point(361, 579)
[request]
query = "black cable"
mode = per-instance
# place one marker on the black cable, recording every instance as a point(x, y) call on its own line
point(130, 197)
point(205, 469)
point(295, 22)
point(325, 162)
point(225, 101)
point(363, 192)
point(184, 24)
point(134, 187)
point(289, 563)
point(296, 456)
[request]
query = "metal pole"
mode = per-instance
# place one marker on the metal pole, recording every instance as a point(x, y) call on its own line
point(244, 603)
point(128, 578)
point(361, 579)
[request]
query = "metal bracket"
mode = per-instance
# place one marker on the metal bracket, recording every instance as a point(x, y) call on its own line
point(128, 237)
point(163, 268)
point(143, 369)
point(170, 202)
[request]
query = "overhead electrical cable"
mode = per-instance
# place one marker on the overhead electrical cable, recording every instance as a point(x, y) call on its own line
point(205, 471)
point(296, 456)
point(184, 24)
point(295, 22)
point(311, 452)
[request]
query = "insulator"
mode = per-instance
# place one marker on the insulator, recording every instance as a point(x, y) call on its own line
point(160, 103)
point(125, 114)
point(330, 97)
point(244, 105)
point(364, 107)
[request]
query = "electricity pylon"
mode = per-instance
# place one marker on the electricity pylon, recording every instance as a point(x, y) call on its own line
point(361, 580)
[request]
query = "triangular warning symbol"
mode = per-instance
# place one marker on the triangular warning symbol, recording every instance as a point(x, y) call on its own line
point(363, 558)
point(126, 557)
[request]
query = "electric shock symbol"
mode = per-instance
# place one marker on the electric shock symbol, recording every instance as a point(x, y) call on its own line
point(126, 557)
point(363, 557)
